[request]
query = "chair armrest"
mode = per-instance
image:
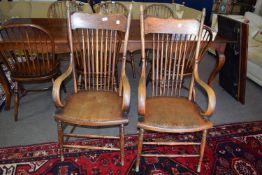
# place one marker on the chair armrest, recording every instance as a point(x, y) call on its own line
point(57, 86)
point(142, 92)
point(210, 95)
point(126, 93)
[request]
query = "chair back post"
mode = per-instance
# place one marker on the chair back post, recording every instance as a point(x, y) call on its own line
point(123, 70)
point(142, 81)
point(196, 59)
point(71, 44)
point(142, 37)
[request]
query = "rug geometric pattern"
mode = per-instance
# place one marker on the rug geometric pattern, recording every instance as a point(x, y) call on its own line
point(233, 149)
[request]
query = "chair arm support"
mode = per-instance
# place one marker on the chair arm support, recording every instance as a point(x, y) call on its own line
point(126, 93)
point(142, 95)
point(210, 94)
point(57, 86)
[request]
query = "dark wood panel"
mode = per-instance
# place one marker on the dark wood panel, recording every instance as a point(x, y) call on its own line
point(232, 76)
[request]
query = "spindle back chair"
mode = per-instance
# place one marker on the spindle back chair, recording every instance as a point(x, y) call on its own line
point(29, 53)
point(167, 109)
point(101, 100)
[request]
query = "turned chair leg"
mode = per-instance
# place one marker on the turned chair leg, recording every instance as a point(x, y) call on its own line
point(16, 101)
point(202, 150)
point(194, 94)
point(140, 146)
point(60, 139)
point(122, 144)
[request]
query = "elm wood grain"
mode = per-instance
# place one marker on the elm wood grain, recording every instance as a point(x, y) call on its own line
point(166, 110)
point(28, 53)
point(94, 47)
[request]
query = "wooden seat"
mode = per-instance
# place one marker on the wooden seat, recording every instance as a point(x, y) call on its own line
point(28, 52)
point(167, 109)
point(58, 9)
point(168, 114)
point(97, 108)
point(101, 100)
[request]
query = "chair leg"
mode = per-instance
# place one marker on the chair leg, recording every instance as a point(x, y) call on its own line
point(194, 94)
point(60, 139)
point(202, 150)
point(122, 144)
point(140, 146)
point(16, 101)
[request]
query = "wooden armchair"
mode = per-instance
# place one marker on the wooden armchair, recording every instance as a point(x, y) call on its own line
point(95, 41)
point(166, 110)
point(58, 9)
point(28, 52)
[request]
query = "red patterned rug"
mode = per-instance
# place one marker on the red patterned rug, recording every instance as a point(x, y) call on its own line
point(231, 149)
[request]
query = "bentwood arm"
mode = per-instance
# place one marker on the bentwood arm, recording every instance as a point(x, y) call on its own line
point(57, 86)
point(126, 93)
point(210, 95)
point(142, 91)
